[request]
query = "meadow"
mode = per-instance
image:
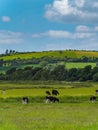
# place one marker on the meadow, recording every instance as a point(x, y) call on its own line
point(73, 112)
point(58, 54)
point(68, 65)
point(41, 116)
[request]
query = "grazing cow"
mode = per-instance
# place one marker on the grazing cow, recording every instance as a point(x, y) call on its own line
point(55, 92)
point(48, 93)
point(96, 91)
point(25, 100)
point(51, 99)
point(92, 99)
point(3, 91)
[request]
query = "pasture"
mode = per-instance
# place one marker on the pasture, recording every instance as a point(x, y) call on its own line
point(59, 54)
point(41, 116)
point(68, 65)
point(74, 112)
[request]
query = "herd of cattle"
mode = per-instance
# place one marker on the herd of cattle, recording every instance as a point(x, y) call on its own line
point(51, 97)
point(93, 98)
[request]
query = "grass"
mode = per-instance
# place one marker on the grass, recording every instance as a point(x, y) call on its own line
point(68, 116)
point(74, 112)
point(41, 92)
point(59, 54)
point(69, 92)
point(79, 65)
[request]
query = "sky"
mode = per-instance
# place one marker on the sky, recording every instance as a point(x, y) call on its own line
point(43, 25)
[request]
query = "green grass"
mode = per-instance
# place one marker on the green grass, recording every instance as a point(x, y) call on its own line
point(59, 54)
point(74, 112)
point(67, 116)
point(69, 92)
point(41, 92)
point(79, 65)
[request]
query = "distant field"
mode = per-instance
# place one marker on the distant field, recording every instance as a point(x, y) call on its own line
point(39, 89)
point(59, 54)
point(79, 65)
point(68, 65)
point(41, 92)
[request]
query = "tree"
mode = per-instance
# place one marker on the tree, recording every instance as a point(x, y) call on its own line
point(6, 52)
point(11, 71)
point(43, 63)
point(1, 62)
point(95, 77)
point(72, 74)
point(59, 73)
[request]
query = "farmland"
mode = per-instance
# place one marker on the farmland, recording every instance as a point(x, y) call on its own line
point(69, 116)
point(59, 54)
point(68, 65)
point(74, 112)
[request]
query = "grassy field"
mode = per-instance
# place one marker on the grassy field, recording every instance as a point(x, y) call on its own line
point(79, 65)
point(74, 112)
point(67, 116)
point(59, 54)
point(69, 92)
point(35, 92)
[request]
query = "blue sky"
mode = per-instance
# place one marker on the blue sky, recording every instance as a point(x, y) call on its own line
point(41, 25)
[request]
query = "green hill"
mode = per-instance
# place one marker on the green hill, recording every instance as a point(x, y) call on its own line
point(58, 54)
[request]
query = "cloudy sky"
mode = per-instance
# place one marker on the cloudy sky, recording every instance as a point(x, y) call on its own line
point(41, 25)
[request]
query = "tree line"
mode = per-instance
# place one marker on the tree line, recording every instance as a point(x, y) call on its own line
point(59, 73)
point(18, 61)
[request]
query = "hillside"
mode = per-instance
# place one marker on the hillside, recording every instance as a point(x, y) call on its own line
point(57, 54)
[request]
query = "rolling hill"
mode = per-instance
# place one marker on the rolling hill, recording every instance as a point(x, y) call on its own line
point(58, 54)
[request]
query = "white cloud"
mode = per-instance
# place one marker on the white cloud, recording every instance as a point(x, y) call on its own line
point(9, 37)
point(53, 34)
point(80, 32)
point(57, 34)
point(96, 28)
point(95, 5)
point(6, 19)
point(82, 28)
point(76, 11)
point(80, 3)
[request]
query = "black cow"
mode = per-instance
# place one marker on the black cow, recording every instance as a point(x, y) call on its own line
point(25, 100)
point(51, 99)
point(48, 93)
point(93, 99)
point(55, 92)
point(96, 91)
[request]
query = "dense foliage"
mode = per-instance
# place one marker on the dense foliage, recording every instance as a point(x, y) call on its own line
point(59, 73)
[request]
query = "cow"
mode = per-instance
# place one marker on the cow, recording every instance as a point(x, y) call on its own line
point(3, 91)
point(55, 92)
point(93, 99)
point(51, 99)
point(96, 91)
point(48, 93)
point(25, 100)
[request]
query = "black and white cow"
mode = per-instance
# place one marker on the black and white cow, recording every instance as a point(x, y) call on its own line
point(25, 100)
point(55, 92)
point(48, 93)
point(51, 99)
point(96, 91)
point(93, 99)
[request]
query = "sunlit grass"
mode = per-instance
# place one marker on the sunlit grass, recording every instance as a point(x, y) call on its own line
point(81, 116)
